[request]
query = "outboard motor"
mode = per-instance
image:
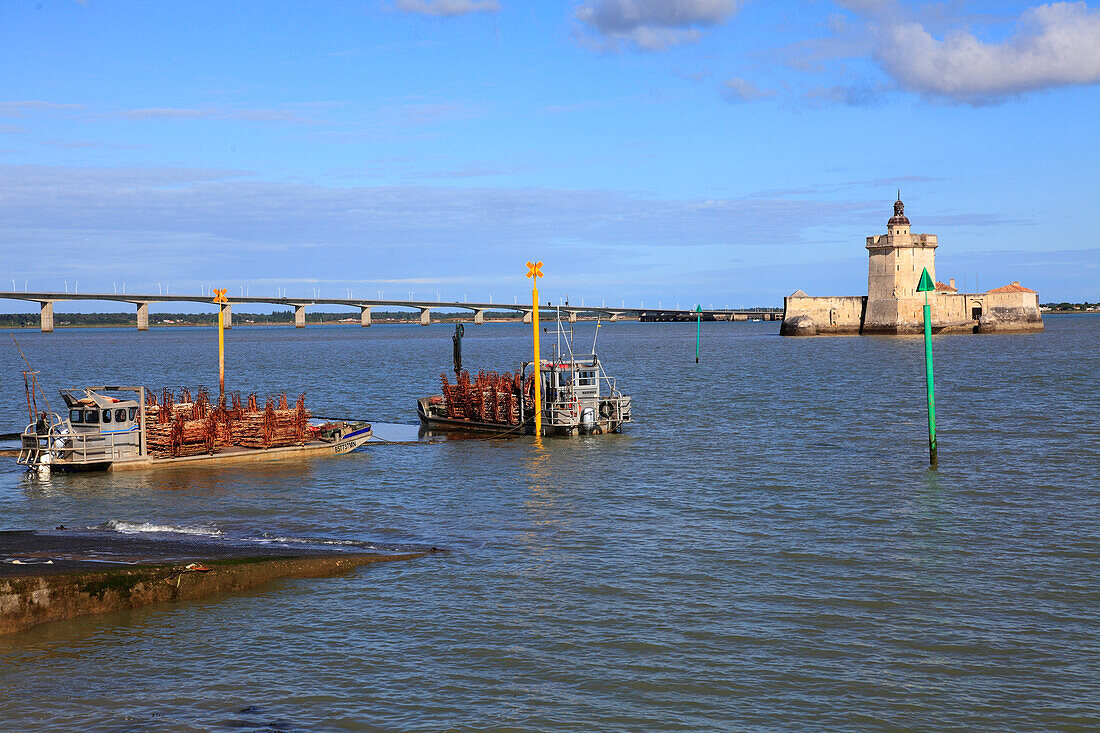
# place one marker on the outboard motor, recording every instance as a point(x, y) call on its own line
point(588, 420)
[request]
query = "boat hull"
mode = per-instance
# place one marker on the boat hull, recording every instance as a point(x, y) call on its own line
point(439, 423)
point(447, 424)
point(233, 454)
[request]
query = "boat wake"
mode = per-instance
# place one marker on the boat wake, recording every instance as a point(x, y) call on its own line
point(266, 538)
point(323, 542)
point(122, 527)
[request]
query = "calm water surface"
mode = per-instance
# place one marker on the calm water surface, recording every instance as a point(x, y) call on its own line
point(764, 549)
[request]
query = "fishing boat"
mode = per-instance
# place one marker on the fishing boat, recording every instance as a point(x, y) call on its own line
point(578, 397)
point(112, 428)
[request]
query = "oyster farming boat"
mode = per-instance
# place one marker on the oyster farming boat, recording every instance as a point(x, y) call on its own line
point(578, 397)
point(118, 428)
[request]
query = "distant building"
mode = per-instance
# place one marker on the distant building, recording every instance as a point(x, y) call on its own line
point(893, 305)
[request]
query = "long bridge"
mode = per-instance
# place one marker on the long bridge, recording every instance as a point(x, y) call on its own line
point(46, 302)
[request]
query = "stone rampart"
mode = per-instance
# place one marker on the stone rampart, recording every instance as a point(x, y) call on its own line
point(990, 312)
point(1010, 312)
point(827, 315)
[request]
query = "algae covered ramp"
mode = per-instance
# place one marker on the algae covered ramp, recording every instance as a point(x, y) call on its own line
point(53, 576)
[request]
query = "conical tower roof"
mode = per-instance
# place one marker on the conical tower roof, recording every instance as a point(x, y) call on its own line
point(898, 219)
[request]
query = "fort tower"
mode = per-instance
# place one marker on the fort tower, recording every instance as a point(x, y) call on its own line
point(895, 262)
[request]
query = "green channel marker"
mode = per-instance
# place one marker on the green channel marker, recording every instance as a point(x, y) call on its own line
point(926, 286)
point(698, 318)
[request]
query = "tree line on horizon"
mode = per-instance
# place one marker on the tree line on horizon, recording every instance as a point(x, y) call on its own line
point(1070, 306)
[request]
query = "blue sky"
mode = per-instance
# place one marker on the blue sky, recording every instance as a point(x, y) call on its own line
point(671, 151)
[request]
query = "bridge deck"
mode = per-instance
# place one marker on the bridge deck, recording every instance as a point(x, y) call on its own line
point(47, 299)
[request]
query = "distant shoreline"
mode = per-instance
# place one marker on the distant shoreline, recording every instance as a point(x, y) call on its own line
point(1070, 312)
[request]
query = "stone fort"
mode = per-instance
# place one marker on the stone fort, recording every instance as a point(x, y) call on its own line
point(893, 305)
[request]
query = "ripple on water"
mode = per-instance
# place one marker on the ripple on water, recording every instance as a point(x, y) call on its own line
point(764, 549)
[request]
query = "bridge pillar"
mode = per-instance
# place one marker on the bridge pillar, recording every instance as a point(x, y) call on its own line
point(527, 317)
point(572, 316)
point(299, 316)
point(227, 315)
point(47, 316)
point(615, 317)
point(425, 316)
point(143, 316)
point(479, 316)
point(364, 315)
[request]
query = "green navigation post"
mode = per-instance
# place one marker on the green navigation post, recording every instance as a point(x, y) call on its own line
point(698, 318)
point(926, 286)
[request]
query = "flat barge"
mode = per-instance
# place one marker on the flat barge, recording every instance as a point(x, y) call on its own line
point(112, 428)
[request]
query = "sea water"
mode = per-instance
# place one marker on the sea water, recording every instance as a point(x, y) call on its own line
point(765, 548)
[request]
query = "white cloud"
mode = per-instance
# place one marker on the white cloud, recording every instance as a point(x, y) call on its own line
point(653, 25)
point(1054, 45)
point(164, 113)
point(742, 90)
point(448, 7)
point(219, 113)
point(90, 145)
point(861, 94)
point(181, 223)
point(869, 6)
point(19, 108)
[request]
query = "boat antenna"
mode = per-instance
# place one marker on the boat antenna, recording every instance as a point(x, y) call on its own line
point(31, 387)
point(571, 314)
point(569, 342)
point(597, 335)
point(558, 324)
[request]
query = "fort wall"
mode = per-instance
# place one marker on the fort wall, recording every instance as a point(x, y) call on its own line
point(1012, 311)
point(827, 315)
point(990, 312)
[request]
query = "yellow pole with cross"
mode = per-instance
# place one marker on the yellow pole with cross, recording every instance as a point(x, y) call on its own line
point(220, 299)
point(534, 271)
